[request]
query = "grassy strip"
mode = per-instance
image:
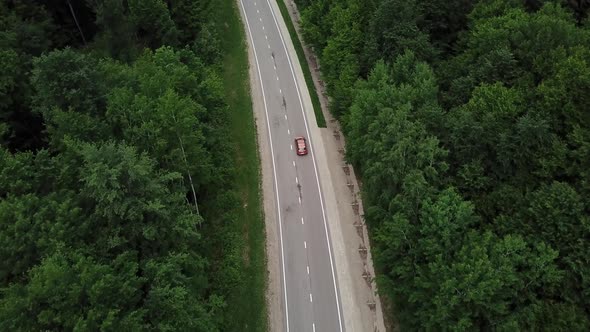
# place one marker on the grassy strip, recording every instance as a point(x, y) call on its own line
point(246, 309)
point(315, 100)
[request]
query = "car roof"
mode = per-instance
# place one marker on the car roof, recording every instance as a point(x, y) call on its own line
point(300, 142)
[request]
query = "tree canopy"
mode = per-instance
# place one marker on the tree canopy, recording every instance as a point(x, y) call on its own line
point(116, 174)
point(468, 124)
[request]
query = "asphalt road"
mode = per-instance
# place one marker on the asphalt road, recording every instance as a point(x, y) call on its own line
point(310, 295)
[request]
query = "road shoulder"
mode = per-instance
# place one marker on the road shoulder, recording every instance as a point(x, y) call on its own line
point(273, 292)
point(361, 305)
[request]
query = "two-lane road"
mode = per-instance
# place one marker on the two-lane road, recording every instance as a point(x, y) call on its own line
point(309, 284)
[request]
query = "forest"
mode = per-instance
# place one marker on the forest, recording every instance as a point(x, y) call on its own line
point(468, 122)
point(117, 181)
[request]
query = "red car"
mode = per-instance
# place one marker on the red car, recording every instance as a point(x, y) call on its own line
point(301, 146)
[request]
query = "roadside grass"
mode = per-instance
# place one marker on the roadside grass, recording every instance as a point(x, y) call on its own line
point(315, 100)
point(246, 309)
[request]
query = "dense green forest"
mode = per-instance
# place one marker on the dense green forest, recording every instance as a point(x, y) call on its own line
point(117, 195)
point(469, 124)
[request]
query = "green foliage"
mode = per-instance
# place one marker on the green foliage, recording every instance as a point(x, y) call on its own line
point(394, 29)
point(128, 221)
point(474, 163)
point(515, 47)
point(152, 22)
point(315, 24)
point(315, 100)
point(25, 31)
point(67, 79)
point(242, 242)
point(116, 34)
point(115, 173)
point(444, 20)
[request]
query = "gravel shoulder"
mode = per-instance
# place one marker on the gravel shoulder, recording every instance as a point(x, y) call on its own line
point(274, 288)
point(352, 253)
point(361, 306)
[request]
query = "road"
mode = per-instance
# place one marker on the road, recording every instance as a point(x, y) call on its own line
point(309, 284)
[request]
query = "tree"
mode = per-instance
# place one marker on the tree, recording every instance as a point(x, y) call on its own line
point(153, 23)
point(188, 18)
point(67, 79)
point(393, 29)
point(444, 20)
point(508, 129)
point(340, 57)
point(97, 223)
point(25, 31)
point(556, 215)
point(315, 25)
point(117, 32)
point(162, 120)
point(451, 276)
point(387, 140)
point(70, 291)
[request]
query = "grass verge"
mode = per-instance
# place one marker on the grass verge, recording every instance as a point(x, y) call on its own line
point(315, 100)
point(246, 310)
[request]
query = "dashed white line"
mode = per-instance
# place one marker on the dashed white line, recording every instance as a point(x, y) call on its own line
point(293, 160)
point(302, 223)
point(265, 36)
point(273, 167)
point(314, 166)
point(285, 116)
point(275, 67)
point(313, 326)
point(277, 78)
point(289, 131)
point(268, 45)
point(297, 180)
point(281, 91)
point(260, 18)
point(299, 199)
point(305, 244)
point(263, 27)
point(291, 146)
point(308, 269)
point(310, 298)
point(258, 11)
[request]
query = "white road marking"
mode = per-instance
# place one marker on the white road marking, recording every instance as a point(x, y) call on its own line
point(275, 67)
point(265, 36)
point(297, 180)
point(314, 165)
point(258, 11)
point(302, 223)
point(308, 269)
point(273, 167)
point(285, 116)
point(288, 131)
point(281, 91)
point(291, 146)
point(268, 45)
point(310, 298)
point(263, 27)
point(305, 244)
point(299, 199)
point(313, 326)
point(277, 78)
